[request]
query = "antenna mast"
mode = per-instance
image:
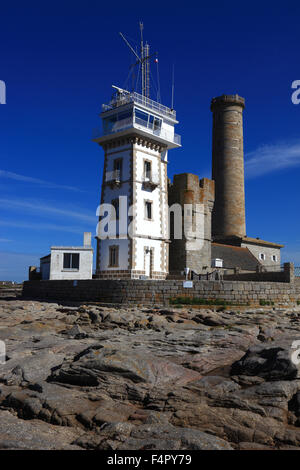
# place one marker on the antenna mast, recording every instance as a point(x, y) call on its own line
point(147, 71)
point(143, 60)
point(145, 65)
point(172, 103)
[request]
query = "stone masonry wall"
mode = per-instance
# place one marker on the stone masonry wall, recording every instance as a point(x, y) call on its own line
point(196, 253)
point(228, 216)
point(159, 292)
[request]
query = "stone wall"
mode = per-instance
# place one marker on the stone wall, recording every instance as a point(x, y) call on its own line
point(193, 249)
point(257, 277)
point(159, 292)
point(286, 275)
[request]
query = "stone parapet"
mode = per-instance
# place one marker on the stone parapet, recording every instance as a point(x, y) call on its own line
point(159, 292)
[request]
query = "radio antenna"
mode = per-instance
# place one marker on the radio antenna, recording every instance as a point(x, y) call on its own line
point(142, 61)
point(173, 85)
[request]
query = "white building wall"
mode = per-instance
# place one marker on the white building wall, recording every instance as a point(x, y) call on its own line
point(168, 128)
point(116, 227)
point(141, 244)
point(123, 254)
point(146, 233)
point(57, 270)
point(120, 152)
point(144, 226)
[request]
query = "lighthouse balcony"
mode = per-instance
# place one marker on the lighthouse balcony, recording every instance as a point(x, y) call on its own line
point(141, 126)
point(113, 178)
point(150, 181)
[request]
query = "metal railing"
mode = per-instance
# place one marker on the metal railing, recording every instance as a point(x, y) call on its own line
point(114, 175)
point(134, 97)
point(152, 179)
point(297, 271)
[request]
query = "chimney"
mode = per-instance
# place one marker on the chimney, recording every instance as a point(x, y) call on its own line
point(87, 238)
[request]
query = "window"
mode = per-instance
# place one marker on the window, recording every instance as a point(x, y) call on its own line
point(115, 204)
point(114, 256)
point(262, 256)
point(118, 164)
point(148, 210)
point(116, 122)
point(147, 170)
point(71, 260)
point(274, 258)
point(141, 117)
point(147, 120)
point(157, 124)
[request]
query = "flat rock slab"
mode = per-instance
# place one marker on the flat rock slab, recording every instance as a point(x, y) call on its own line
point(18, 434)
point(126, 363)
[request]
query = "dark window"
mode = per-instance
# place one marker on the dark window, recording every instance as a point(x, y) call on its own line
point(157, 124)
point(71, 260)
point(148, 207)
point(147, 169)
point(143, 116)
point(108, 124)
point(118, 164)
point(113, 256)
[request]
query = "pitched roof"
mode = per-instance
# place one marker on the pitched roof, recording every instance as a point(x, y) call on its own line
point(234, 256)
point(237, 241)
point(45, 257)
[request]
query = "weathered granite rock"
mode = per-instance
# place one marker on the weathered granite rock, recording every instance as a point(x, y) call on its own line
point(34, 435)
point(103, 377)
point(152, 437)
point(134, 366)
point(270, 361)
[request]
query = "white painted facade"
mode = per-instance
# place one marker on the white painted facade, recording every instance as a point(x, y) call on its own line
point(57, 269)
point(140, 246)
point(73, 262)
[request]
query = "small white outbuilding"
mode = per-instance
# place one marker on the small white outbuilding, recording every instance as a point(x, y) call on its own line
point(69, 262)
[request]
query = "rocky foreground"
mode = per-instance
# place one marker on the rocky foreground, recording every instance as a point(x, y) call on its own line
point(110, 377)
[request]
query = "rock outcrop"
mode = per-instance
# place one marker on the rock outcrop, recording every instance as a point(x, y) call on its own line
point(101, 377)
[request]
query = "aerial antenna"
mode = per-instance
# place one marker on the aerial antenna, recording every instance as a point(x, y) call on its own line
point(142, 57)
point(142, 60)
point(158, 80)
point(172, 101)
point(131, 48)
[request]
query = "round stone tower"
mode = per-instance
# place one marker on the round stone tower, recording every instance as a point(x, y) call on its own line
point(228, 218)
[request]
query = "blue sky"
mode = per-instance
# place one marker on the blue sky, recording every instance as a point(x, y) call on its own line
point(59, 60)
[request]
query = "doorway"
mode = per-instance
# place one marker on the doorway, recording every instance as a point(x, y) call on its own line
point(148, 258)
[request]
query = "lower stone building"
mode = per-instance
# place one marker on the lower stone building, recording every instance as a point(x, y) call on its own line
point(234, 259)
point(267, 254)
point(190, 204)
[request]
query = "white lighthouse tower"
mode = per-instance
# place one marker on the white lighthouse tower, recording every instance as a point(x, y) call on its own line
point(136, 136)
